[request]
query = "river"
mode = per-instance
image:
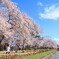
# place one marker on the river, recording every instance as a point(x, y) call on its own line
point(52, 56)
point(56, 55)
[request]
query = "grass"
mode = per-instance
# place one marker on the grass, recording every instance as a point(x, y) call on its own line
point(34, 56)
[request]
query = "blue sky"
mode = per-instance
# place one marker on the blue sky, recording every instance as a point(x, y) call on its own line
point(45, 13)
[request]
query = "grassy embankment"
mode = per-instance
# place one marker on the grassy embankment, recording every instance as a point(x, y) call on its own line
point(35, 56)
point(26, 55)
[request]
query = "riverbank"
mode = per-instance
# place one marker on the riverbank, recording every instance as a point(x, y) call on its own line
point(49, 56)
point(36, 56)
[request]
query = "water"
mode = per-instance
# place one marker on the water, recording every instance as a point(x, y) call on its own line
point(52, 56)
point(56, 55)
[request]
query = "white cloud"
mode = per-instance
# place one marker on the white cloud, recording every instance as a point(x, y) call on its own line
point(40, 3)
point(56, 40)
point(51, 12)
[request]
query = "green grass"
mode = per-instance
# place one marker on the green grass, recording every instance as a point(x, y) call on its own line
point(34, 56)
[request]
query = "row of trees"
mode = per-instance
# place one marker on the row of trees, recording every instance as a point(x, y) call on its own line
point(18, 29)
